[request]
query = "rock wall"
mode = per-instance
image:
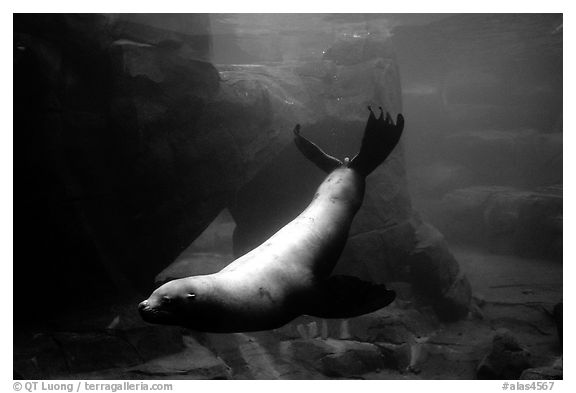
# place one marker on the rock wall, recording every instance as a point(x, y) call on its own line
point(131, 143)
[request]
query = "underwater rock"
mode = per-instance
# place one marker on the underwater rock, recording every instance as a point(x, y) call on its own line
point(40, 358)
point(378, 255)
point(256, 355)
point(436, 179)
point(396, 356)
point(392, 325)
point(154, 341)
point(507, 358)
point(433, 361)
point(195, 362)
point(542, 373)
point(335, 358)
point(508, 220)
point(227, 348)
point(436, 275)
point(92, 351)
point(558, 315)
point(266, 360)
point(463, 211)
point(531, 221)
point(307, 327)
point(91, 154)
point(398, 333)
point(41, 114)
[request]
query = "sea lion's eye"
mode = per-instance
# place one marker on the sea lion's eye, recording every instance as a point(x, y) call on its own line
point(191, 296)
point(166, 299)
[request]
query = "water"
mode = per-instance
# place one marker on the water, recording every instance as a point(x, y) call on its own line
point(160, 146)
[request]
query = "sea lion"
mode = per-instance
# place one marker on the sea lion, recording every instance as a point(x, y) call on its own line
point(289, 274)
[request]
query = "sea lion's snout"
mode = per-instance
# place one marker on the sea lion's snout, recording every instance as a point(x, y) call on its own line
point(148, 313)
point(155, 313)
point(142, 307)
point(145, 311)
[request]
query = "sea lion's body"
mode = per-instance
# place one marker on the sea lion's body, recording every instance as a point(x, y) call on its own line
point(271, 284)
point(284, 277)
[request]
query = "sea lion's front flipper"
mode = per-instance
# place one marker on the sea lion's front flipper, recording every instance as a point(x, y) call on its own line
point(312, 152)
point(347, 297)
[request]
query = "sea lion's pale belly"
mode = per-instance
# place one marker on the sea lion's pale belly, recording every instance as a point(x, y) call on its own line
point(274, 278)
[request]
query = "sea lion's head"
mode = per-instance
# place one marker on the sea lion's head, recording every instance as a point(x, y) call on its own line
point(173, 303)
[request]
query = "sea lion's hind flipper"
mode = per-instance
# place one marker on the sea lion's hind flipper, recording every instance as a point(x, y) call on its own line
point(311, 151)
point(347, 297)
point(381, 136)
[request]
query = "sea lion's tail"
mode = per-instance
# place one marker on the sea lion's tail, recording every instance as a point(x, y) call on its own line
point(312, 152)
point(381, 136)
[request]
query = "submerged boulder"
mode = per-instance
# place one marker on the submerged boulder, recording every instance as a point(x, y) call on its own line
point(436, 275)
point(40, 358)
point(509, 220)
point(506, 360)
point(335, 358)
point(195, 361)
point(541, 373)
point(438, 178)
point(558, 315)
